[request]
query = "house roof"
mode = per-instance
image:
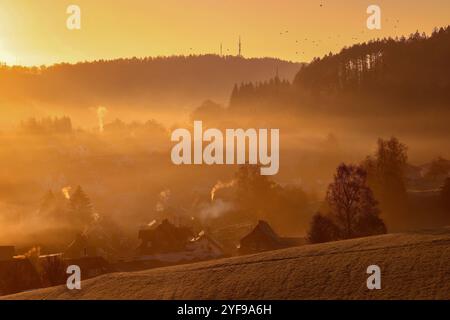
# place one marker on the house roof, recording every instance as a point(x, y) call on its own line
point(262, 232)
point(165, 230)
point(263, 238)
point(203, 235)
point(94, 237)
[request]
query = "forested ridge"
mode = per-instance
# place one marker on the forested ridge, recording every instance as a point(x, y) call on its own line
point(409, 70)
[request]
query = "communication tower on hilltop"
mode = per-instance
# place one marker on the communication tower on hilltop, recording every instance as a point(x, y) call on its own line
point(239, 47)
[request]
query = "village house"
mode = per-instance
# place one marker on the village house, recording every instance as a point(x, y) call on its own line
point(264, 238)
point(91, 266)
point(205, 247)
point(163, 238)
point(94, 242)
point(7, 253)
point(169, 244)
point(16, 273)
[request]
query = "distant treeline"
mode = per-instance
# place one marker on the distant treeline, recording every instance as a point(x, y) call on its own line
point(47, 125)
point(406, 71)
point(178, 80)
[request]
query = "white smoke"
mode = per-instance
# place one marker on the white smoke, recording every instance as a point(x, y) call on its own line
point(221, 185)
point(215, 209)
point(96, 217)
point(101, 111)
point(163, 199)
point(66, 192)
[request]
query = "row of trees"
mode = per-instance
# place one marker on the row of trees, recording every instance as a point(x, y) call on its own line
point(353, 203)
point(407, 70)
point(47, 125)
point(408, 67)
point(260, 93)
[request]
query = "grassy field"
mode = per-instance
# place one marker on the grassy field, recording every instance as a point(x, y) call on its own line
point(413, 265)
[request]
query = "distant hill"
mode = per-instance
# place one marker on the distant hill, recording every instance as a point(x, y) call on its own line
point(386, 75)
point(413, 266)
point(410, 68)
point(164, 82)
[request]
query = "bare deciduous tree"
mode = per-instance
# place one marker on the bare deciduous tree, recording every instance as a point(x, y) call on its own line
point(351, 203)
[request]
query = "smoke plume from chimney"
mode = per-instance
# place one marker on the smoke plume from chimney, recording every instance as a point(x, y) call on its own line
point(163, 199)
point(101, 111)
point(66, 192)
point(221, 185)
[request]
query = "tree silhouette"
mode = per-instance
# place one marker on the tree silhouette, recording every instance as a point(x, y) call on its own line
point(322, 229)
point(258, 197)
point(254, 191)
point(81, 211)
point(351, 203)
point(386, 176)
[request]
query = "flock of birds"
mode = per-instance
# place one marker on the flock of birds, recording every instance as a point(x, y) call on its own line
point(317, 43)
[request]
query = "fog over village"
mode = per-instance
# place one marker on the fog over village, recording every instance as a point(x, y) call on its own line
point(251, 173)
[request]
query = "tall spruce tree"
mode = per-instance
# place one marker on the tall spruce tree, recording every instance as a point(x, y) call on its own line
point(80, 210)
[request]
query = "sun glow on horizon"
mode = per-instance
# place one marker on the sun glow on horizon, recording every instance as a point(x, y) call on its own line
point(293, 30)
point(6, 57)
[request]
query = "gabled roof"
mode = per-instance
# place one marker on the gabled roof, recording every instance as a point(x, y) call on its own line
point(203, 235)
point(165, 229)
point(262, 232)
point(263, 238)
point(94, 238)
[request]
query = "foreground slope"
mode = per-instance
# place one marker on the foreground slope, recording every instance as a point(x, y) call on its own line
point(413, 265)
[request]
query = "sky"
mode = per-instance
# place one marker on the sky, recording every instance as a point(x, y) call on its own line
point(34, 32)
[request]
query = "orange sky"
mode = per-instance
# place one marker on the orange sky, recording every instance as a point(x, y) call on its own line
point(34, 32)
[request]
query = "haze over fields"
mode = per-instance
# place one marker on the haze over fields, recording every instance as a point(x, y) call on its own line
point(166, 88)
point(88, 176)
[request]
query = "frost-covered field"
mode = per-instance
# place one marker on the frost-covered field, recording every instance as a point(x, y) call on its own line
point(413, 266)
